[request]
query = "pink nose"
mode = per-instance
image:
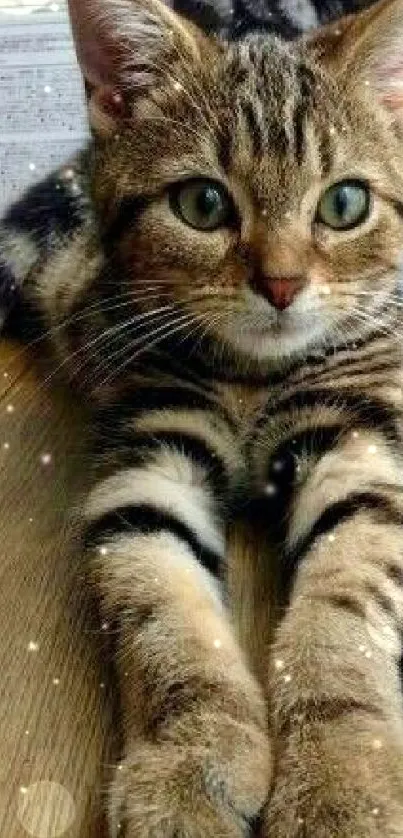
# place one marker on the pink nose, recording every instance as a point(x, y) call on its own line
point(279, 291)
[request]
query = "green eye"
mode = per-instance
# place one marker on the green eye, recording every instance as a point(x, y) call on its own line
point(345, 205)
point(202, 204)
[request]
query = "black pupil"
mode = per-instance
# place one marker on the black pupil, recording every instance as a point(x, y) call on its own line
point(341, 202)
point(208, 201)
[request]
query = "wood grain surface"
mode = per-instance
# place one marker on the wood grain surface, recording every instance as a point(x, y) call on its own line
point(55, 706)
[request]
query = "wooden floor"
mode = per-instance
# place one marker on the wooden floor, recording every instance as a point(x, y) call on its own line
point(55, 706)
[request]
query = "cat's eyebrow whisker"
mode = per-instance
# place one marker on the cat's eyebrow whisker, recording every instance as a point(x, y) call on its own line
point(187, 71)
point(162, 118)
point(165, 70)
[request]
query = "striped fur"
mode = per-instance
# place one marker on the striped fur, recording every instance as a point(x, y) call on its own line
point(205, 397)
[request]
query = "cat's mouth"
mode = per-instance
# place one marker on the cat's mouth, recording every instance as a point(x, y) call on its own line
point(265, 332)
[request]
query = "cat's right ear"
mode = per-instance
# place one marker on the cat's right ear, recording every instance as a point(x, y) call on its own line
point(124, 48)
point(365, 52)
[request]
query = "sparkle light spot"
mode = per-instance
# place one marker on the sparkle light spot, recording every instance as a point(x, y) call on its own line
point(156, 580)
point(287, 678)
point(355, 434)
point(68, 174)
point(56, 681)
point(33, 646)
point(5, 374)
point(368, 654)
point(361, 648)
point(332, 131)
point(31, 520)
point(278, 465)
point(47, 88)
point(105, 626)
point(372, 449)
point(279, 664)
point(10, 408)
point(178, 85)
point(103, 551)
point(270, 489)
point(332, 537)
point(46, 459)
point(300, 821)
point(102, 685)
point(375, 811)
point(264, 213)
point(46, 810)
point(120, 767)
point(32, 167)
point(6, 446)
point(366, 82)
point(27, 733)
point(217, 644)
point(326, 290)
point(377, 744)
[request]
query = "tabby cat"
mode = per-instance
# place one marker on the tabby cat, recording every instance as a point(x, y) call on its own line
point(222, 281)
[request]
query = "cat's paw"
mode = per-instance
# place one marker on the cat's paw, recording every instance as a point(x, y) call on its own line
point(170, 790)
point(335, 783)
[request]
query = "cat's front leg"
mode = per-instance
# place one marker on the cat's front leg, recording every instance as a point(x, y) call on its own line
point(195, 757)
point(335, 680)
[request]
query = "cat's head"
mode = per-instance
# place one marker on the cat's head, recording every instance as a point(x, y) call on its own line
point(254, 189)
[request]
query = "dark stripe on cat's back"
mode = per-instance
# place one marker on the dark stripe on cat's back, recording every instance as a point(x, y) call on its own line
point(145, 519)
point(146, 399)
point(383, 509)
point(49, 208)
point(8, 285)
point(357, 407)
point(135, 447)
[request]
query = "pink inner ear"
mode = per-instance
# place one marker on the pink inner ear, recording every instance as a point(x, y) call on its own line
point(390, 70)
point(389, 77)
point(95, 53)
point(393, 99)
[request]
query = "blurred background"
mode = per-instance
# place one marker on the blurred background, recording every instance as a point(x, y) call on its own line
point(42, 118)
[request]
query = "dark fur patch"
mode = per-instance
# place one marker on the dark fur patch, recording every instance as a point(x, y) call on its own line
point(145, 519)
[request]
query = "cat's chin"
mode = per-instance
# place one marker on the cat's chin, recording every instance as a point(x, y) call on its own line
point(261, 333)
point(276, 341)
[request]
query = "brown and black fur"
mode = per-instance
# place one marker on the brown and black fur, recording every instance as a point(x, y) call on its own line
point(206, 399)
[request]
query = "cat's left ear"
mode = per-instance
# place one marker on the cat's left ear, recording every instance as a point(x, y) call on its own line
point(125, 49)
point(366, 50)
